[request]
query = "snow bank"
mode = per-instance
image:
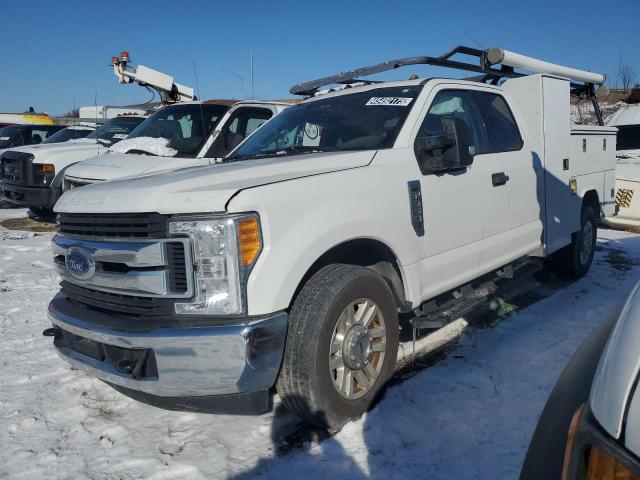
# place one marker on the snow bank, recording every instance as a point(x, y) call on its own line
point(154, 146)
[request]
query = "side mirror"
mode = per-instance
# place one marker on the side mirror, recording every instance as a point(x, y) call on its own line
point(450, 150)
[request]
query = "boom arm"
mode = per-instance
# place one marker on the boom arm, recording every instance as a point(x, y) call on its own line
point(162, 83)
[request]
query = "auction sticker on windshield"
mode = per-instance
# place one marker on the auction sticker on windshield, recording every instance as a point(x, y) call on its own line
point(393, 101)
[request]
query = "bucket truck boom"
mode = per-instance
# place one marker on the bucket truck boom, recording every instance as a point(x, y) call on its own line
point(167, 88)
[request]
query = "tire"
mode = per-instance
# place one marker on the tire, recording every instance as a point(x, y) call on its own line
point(307, 384)
point(574, 260)
point(40, 213)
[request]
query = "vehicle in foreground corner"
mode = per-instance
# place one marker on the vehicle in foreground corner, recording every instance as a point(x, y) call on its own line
point(181, 135)
point(627, 120)
point(590, 427)
point(289, 262)
point(32, 176)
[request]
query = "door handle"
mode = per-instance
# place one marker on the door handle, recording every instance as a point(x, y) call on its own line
point(499, 179)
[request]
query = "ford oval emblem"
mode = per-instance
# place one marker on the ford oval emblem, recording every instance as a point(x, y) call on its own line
point(80, 263)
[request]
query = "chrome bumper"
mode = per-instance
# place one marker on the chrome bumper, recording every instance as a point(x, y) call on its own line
point(191, 362)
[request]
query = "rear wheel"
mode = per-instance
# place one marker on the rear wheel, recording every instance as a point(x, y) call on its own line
point(341, 345)
point(575, 259)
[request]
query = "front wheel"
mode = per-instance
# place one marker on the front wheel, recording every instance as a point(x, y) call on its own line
point(341, 347)
point(575, 259)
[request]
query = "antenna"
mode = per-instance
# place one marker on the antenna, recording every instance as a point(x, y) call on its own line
point(475, 41)
point(195, 74)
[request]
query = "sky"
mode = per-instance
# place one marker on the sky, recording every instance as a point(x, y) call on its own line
point(57, 54)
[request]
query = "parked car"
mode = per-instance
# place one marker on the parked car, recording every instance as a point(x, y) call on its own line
point(19, 135)
point(590, 427)
point(178, 136)
point(289, 262)
point(33, 176)
point(627, 120)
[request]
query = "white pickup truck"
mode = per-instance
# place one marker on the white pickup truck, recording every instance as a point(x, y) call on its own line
point(289, 262)
point(173, 138)
point(627, 121)
point(32, 176)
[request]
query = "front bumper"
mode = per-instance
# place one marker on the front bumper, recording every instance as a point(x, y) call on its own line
point(224, 360)
point(30, 196)
point(623, 223)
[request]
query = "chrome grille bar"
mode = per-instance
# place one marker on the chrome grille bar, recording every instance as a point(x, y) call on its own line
point(127, 267)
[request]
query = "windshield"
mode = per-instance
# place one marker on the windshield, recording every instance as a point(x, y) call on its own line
point(116, 129)
point(184, 128)
point(20, 135)
point(369, 120)
point(628, 137)
point(67, 134)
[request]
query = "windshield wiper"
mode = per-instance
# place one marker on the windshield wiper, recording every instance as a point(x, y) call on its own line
point(291, 149)
point(279, 152)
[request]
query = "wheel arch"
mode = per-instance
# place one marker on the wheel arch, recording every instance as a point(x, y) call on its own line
point(366, 252)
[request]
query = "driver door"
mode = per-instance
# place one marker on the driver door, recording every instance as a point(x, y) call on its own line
point(465, 214)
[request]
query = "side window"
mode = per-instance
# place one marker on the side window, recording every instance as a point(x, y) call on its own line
point(253, 123)
point(37, 136)
point(241, 124)
point(246, 120)
point(502, 128)
point(459, 104)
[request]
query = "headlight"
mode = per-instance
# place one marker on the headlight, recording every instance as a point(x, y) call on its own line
point(224, 251)
point(43, 173)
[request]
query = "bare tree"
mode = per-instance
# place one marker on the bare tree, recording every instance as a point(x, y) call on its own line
point(627, 76)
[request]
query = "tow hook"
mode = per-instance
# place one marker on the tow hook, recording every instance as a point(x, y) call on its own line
point(55, 332)
point(134, 367)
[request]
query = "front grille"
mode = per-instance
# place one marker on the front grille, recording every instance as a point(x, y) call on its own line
point(117, 303)
point(138, 225)
point(177, 267)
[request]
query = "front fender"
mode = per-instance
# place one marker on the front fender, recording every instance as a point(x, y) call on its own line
point(307, 217)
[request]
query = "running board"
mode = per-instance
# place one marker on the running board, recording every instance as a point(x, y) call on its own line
point(444, 315)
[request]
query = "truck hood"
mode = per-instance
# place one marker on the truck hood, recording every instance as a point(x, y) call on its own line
point(202, 189)
point(613, 392)
point(62, 154)
point(110, 166)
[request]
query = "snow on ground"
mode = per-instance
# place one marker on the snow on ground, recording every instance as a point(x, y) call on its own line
point(468, 416)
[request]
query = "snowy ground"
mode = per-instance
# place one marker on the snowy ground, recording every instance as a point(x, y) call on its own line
point(471, 415)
